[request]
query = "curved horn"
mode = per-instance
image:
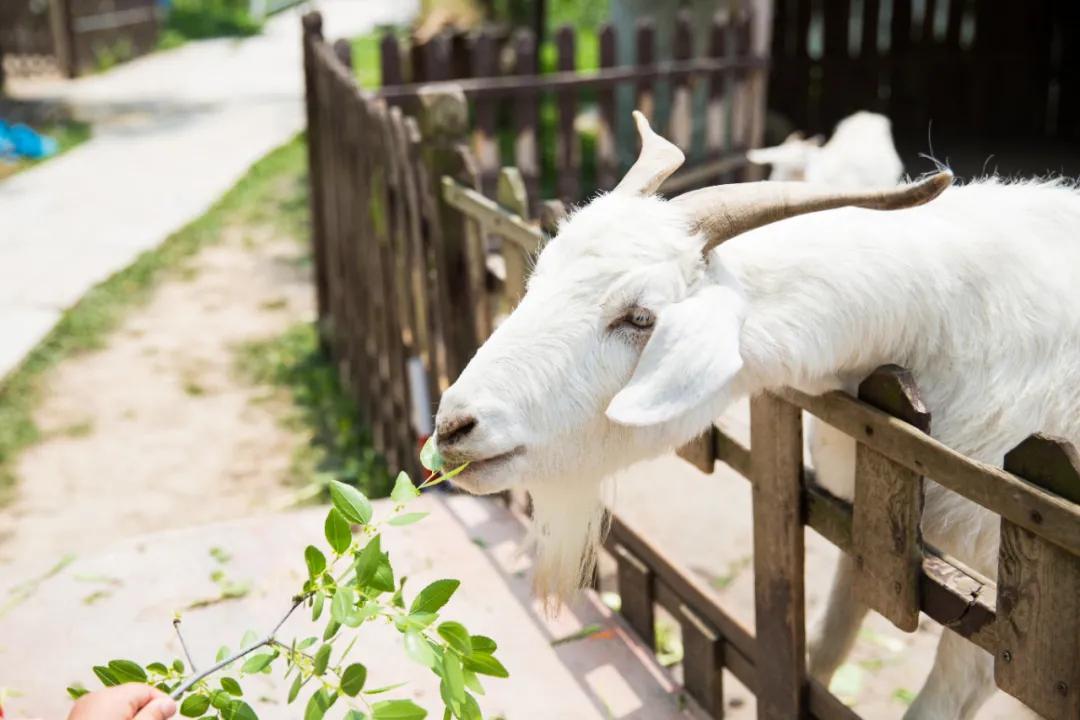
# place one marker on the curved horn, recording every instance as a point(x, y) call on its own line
point(658, 159)
point(724, 211)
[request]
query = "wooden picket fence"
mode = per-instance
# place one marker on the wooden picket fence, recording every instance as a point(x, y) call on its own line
point(508, 96)
point(73, 36)
point(408, 287)
point(952, 68)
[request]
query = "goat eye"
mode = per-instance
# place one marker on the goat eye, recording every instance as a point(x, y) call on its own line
point(641, 318)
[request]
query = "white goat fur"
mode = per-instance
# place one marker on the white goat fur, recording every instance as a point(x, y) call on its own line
point(859, 154)
point(977, 293)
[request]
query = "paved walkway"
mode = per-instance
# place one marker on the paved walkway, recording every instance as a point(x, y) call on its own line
point(121, 604)
point(173, 131)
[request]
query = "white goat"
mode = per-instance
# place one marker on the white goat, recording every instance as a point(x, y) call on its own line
point(859, 154)
point(639, 328)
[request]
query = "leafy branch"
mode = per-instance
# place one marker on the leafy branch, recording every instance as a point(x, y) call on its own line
point(354, 578)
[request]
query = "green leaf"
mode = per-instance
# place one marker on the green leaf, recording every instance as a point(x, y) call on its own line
point(257, 663)
point(367, 561)
point(295, 689)
point(472, 682)
point(221, 700)
point(249, 639)
point(322, 658)
point(471, 709)
point(416, 621)
point(430, 457)
point(76, 691)
point(316, 561)
point(353, 679)
point(397, 710)
point(434, 596)
point(157, 668)
point(105, 676)
point(355, 715)
point(319, 703)
point(404, 490)
point(485, 664)
point(338, 532)
point(306, 643)
point(127, 671)
point(222, 653)
point(350, 502)
point(178, 665)
point(453, 674)
point(239, 710)
point(331, 629)
point(456, 636)
point(194, 705)
point(317, 606)
point(418, 649)
point(407, 518)
point(483, 644)
point(385, 688)
point(383, 580)
point(343, 604)
point(230, 686)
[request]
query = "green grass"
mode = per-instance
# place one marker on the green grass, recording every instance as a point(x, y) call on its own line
point(203, 19)
point(67, 134)
point(340, 448)
point(273, 192)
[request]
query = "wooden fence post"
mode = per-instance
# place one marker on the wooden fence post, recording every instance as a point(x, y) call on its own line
point(776, 449)
point(444, 125)
point(1038, 603)
point(637, 593)
point(312, 23)
point(888, 507)
point(703, 662)
point(63, 32)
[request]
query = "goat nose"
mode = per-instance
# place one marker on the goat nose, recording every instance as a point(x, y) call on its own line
point(454, 429)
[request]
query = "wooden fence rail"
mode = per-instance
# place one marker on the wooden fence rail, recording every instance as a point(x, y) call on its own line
point(408, 286)
point(561, 130)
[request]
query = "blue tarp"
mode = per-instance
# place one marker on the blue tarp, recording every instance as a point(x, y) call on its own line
point(20, 141)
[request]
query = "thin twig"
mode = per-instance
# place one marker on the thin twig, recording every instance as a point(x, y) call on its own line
point(268, 640)
point(183, 644)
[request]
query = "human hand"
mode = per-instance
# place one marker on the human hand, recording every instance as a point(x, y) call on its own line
point(131, 701)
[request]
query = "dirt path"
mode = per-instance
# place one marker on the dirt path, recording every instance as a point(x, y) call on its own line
point(157, 430)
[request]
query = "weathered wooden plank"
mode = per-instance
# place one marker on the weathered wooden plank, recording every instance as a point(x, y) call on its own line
point(313, 106)
point(390, 60)
point(444, 126)
point(552, 213)
point(888, 507)
point(510, 227)
point(776, 439)
point(1021, 502)
point(526, 151)
point(512, 195)
point(607, 162)
point(703, 662)
point(700, 452)
point(485, 144)
point(718, 122)
point(636, 591)
point(645, 53)
point(681, 122)
point(1038, 599)
point(567, 148)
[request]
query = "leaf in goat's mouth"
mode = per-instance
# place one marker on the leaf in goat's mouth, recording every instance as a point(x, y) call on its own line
point(434, 463)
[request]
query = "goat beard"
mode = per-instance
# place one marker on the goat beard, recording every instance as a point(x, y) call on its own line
point(569, 522)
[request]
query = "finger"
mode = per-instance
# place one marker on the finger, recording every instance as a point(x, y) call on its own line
point(158, 709)
point(134, 695)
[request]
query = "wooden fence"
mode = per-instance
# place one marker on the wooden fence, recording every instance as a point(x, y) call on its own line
point(534, 120)
point(74, 36)
point(972, 68)
point(406, 291)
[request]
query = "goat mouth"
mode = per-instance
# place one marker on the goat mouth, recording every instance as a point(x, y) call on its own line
point(494, 460)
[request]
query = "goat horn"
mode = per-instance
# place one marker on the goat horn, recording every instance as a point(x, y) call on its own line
point(658, 159)
point(724, 211)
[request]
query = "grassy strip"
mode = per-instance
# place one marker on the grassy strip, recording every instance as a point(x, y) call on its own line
point(272, 192)
point(340, 448)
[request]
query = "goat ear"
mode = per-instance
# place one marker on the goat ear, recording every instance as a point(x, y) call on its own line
point(692, 356)
point(790, 154)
